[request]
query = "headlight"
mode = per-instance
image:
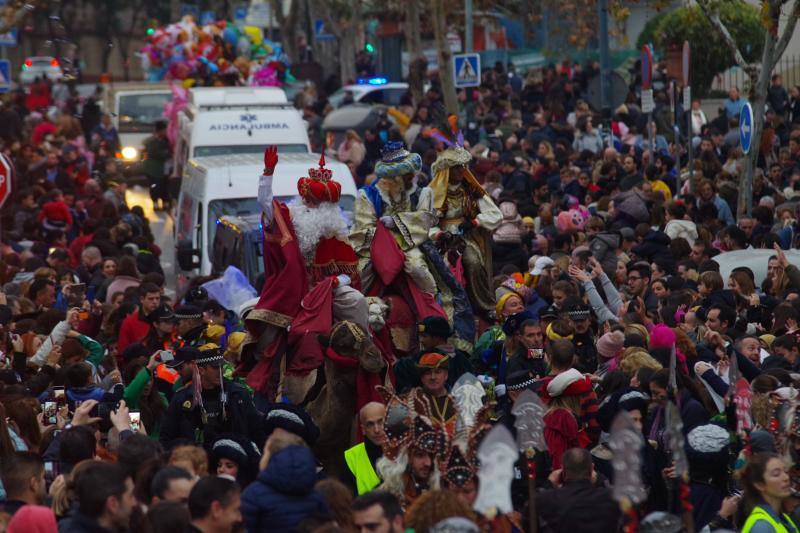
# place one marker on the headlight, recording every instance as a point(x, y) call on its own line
point(129, 153)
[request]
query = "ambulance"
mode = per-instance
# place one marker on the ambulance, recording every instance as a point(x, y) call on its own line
point(219, 186)
point(231, 121)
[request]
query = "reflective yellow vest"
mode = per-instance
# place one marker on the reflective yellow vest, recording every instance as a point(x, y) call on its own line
point(358, 462)
point(759, 513)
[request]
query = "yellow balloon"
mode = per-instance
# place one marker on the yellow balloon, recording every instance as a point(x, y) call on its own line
point(254, 34)
point(188, 83)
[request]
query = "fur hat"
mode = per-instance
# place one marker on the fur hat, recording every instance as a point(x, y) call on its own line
point(293, 419)
point(707, 446)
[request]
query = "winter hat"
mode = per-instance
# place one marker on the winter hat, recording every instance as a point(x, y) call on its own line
point(611, 344)
point(293, 419)
point(662, 336)
point(569, 383)
point(661, 522)
point(627, 399)
point(33, 519)
point(707, 446)
point(515, 321)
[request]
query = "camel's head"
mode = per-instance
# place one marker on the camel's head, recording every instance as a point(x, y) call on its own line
point(349, 340)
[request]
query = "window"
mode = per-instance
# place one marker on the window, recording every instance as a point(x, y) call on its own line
point(139, 112)
point(204, 151)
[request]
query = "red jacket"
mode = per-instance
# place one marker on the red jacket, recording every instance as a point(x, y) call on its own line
point(56, 212)
point(133, 329)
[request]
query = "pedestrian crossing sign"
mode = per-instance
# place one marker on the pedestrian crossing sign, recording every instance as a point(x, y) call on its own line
point(467, 70)
point(5, 75)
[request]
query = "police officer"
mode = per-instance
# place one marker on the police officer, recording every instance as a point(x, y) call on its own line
point(210, 405)
point(189, 325)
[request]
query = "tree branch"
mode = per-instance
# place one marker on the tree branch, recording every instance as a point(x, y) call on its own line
point(7, 25)
point(713, 17)
point(788, 30)
point(324, 11)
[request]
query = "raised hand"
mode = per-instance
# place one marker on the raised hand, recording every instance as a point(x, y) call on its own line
point(270, 160)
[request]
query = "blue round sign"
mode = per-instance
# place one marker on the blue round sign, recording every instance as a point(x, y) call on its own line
point(746, 127)
point(647, 66)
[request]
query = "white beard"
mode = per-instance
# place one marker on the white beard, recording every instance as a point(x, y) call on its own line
point(314, 223)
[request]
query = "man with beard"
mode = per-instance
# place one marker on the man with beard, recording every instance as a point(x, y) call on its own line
point(309, 268)
point(465, 210)
point(402, 207)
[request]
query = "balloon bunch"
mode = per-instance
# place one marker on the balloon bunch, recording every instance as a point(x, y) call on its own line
point(218, 53)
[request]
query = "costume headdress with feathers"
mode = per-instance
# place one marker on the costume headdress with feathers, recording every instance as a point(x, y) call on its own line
point(454, 154)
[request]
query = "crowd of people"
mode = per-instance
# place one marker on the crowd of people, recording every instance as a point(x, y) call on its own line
point(530, 323)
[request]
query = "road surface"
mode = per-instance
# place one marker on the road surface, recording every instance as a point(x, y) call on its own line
point(161, 224)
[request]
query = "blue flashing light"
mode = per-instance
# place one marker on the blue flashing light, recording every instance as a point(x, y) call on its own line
point(372, 81)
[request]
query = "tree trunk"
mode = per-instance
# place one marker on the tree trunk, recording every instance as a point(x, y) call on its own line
point(347, 54)
point(417, 65)
point(445, 57)
point(174, 10)
point(759, 85)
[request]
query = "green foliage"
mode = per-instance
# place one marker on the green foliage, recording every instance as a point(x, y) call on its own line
point(710, 55)
point(648, 32)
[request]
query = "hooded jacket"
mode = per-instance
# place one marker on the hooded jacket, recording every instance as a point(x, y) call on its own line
point(604, 247)
point(283, 495)
point(685, 229)
point(655, 248)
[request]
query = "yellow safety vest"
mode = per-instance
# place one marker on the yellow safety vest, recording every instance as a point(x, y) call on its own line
point(358, 462)
point(759, 513)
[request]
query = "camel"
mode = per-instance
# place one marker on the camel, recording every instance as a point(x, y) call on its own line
point(334, 408)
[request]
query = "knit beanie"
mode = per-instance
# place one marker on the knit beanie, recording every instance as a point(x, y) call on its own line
point(610, 344)
point(33, 519)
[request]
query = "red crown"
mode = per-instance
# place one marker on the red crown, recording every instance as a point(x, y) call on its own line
point(321, 173)
point(319, 187)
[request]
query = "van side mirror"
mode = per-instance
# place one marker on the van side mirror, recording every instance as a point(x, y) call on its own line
point(185, 255)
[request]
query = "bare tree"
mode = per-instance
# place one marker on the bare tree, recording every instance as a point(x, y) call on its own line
point(15, 14)
point(287, 23)
point(775, 44)
point(343, 19)
point(417, 65)
point(444, 56)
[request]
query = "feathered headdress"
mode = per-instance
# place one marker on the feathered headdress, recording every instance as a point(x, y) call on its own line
point(446, 130)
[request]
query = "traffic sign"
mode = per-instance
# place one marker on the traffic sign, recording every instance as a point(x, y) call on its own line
point(207, 17)
point(467, 70)
point(5, 75)
point(647, 67)
point(746, 127)
point(259, 15)
point(648, 105)
point(686, 58)
point(9, 38)
point(321, 33)
point(240, 14)
point(191, 9)
point(6, 178)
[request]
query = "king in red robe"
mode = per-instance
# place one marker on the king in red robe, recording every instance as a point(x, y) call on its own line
point(310, 276)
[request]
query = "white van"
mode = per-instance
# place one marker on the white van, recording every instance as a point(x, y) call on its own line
point(238, 120)
point(216, 186)
point(134, 109)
